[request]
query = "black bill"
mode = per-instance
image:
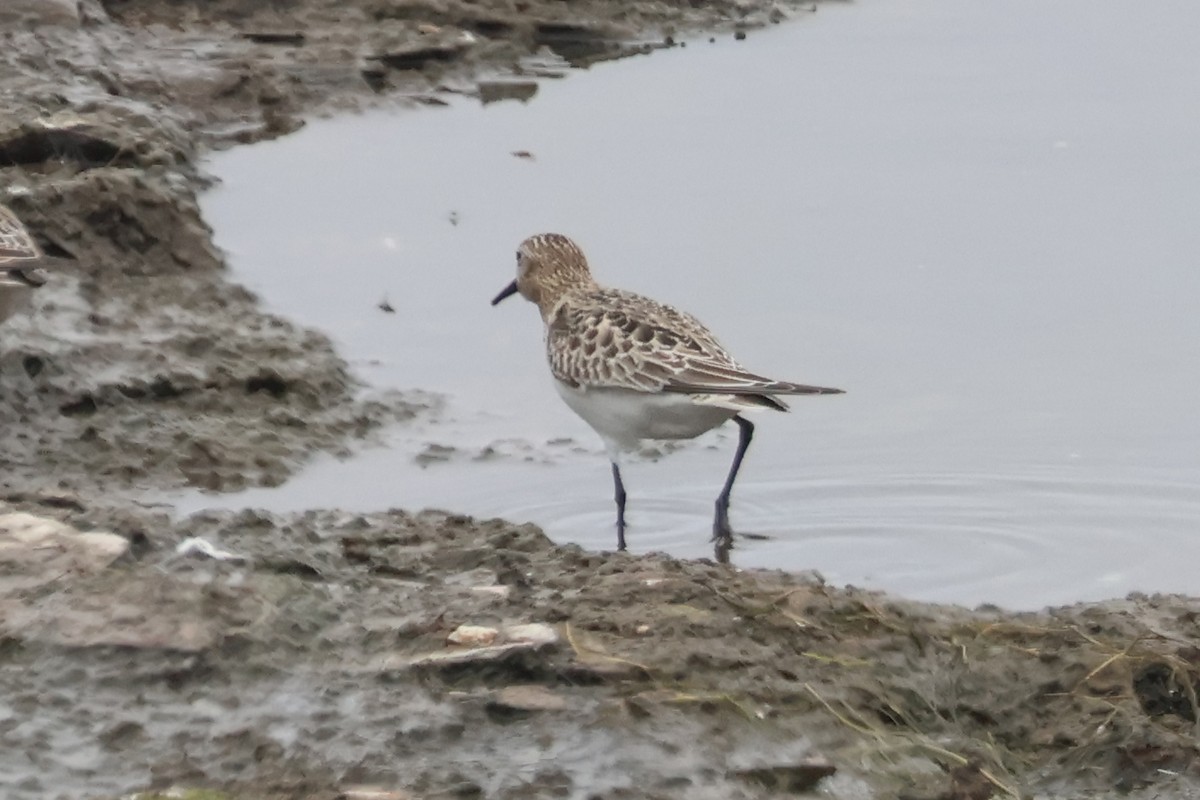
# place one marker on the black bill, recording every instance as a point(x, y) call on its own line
point(509, 291)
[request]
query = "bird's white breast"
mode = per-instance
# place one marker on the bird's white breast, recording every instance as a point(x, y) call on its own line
point(624, 417)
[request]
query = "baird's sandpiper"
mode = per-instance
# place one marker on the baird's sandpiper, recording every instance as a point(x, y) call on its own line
point(20, 264)
point(636, 369)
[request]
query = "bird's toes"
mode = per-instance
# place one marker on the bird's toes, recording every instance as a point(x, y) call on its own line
point(721, 548)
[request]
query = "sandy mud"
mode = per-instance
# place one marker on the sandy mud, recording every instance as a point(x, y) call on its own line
point(424, 655)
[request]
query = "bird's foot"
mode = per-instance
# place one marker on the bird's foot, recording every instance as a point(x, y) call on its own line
point(722, 537)
point(723, 534)
point(722, 530)
point(721, 550)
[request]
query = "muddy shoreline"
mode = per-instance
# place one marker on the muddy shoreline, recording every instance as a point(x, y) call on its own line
point(404, 654)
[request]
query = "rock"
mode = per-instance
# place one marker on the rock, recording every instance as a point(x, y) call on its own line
point(599, 671)
point(373, 793)
point(435, 454)
point(35, 550)
point(453, 658)
point(527, 698)
point(499, 590)
point(535, 633)
point(472, 635)
point(419, 57)
point(293, 38)
point(579, 44)
point(509, 640)
point(495, 91)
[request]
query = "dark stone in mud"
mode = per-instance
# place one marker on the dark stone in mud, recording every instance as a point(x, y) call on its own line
point(26, 148)
point(495, 91)
point(788, 779)
point(579, 45)
point(491, 27)
point(582, 45)
point(123, 735)
point(291, 38)
point(516, 701)
point(375, 77)
point(416, 58)
point(1169, 688)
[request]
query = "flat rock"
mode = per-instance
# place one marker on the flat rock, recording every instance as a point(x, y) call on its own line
point(35, 550)
point(453, 658)
point(420, 56)
point(508, 640)
point(373, 793)
point(534, 633)
point(602, 671)
point(528, 698)
point(495, 91)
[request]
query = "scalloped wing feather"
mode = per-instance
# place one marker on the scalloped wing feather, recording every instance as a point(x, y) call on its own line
point(616, 339)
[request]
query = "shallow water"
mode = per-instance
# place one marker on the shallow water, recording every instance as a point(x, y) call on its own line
point(979, 219)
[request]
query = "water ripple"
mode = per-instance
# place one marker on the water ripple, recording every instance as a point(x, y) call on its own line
point(1019, 540)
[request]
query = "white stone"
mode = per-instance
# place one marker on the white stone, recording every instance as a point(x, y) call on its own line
point(535, 633)
point(472, 635)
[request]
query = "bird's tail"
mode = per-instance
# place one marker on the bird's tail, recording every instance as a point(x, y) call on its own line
point(783, 387)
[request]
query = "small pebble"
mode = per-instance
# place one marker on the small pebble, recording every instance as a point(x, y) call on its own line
point(472, 635)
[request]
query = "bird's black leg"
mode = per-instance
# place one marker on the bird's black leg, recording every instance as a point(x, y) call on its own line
point(619, 496)
point(722, 533)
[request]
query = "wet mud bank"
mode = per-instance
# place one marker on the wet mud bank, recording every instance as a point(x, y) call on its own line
point(329, 654)
point(423, 655)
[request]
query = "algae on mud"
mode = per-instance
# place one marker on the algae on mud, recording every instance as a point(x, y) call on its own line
point(298, 672)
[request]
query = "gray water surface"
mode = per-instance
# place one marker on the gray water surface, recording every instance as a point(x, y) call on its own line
point(977, 218)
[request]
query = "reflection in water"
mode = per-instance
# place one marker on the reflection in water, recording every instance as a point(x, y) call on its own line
point(977, 219)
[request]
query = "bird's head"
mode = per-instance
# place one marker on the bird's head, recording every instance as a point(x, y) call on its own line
point(547, 265)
